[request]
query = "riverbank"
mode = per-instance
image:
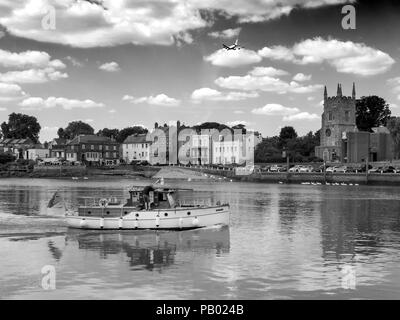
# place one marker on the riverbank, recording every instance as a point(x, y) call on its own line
point(193, 174)
point(388, 179)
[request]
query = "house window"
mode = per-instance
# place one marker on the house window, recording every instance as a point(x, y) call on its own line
point(72, 147)
point(92, 147)
point(83, 146)
point(106, 147)
point(115, 154)
point(107, 154)
point(100, 147)
point(115, 147)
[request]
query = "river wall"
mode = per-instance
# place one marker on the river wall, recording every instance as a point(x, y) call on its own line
point(360, 178)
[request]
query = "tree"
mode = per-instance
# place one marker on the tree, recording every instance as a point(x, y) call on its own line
point(211, 125)
point(287, 133)
point(21, 126)
point(371, 111)
point(126, 132)
point(6, 158)
point(74, 129)
point(393, 125)
point(110, 133)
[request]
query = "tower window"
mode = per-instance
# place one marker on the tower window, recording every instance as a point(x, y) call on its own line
point(330, 116)
point(347, 115)
point(328, 132)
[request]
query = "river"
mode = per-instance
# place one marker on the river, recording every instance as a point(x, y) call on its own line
point(284, 242)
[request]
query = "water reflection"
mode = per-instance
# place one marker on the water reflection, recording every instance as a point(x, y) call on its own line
point(149, 249)
point(283, 241)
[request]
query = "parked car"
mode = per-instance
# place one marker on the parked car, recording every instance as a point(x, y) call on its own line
point(330, 169)
point(375, 170)
point(389, 169)
point(342, 169)
point(296, 168)
point(306, 169)
point(277, 168)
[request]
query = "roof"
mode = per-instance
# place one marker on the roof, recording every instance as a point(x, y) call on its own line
point(137, 138)
point(59, 141)
point(17, 141)
point(90, 138)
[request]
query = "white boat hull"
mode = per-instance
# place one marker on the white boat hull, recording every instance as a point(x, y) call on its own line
point(178, 219)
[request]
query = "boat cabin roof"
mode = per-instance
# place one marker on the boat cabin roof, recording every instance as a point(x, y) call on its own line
point(151, 188)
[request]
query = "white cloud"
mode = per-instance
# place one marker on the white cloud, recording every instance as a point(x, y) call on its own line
point(237, 122)
point(28, 59)
point(301, 117)
point(301, 77)
point(273, 109)
point(32, 67)
point(233, 58)
point(3, 109)
point(250, 82)
point(112, 111)
point(110, 67)
point(75, 62)
point(215, 95)
point(238, 112)
point(38, 103)
point(10, 92)
point(103, 23)
point(277, 53)
point(32, 76)
point(226, 34)
point(345, 57)
point(108, 23)
point(311, 98)
point(158, 100)
point(267, 71)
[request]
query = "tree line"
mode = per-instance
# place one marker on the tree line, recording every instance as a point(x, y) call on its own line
point(371, 111)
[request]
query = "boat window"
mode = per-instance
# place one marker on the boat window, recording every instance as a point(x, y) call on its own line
point(188, 213)
point(108, 212)
point(125, 212)
point(89, 212)
point(137, 214)
point(166, 214)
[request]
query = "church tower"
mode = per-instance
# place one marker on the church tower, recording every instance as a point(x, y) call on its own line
point(339, 117)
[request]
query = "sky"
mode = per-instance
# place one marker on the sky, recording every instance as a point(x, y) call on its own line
point(121, 63)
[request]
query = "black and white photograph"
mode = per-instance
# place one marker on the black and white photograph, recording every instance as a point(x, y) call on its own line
point(199, 150)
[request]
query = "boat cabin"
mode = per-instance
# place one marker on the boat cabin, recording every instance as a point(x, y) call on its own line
point(150, 198)
point(140, 198)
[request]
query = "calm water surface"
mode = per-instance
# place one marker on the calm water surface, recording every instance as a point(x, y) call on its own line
point(284, 241)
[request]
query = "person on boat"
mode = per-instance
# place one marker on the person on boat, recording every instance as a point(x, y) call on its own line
point(146, 196)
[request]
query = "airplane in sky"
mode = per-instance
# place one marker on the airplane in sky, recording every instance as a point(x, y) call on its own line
point(235, 46)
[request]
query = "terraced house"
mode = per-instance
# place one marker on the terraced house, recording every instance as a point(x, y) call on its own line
point(136, 147)
point(93, 150)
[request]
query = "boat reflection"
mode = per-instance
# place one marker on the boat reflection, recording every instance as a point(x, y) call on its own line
point(151, 249)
